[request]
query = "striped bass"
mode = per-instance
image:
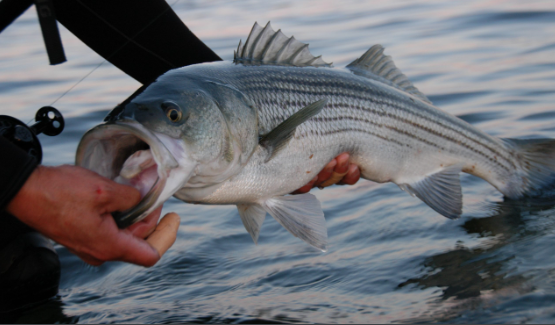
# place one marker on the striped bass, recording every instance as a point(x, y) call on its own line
point(249, 132)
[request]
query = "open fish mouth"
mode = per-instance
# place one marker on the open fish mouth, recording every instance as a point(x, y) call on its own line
point(128, 153)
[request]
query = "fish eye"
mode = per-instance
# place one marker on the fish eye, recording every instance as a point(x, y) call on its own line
point(172, 110)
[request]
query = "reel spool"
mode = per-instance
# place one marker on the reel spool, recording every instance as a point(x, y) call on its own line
point(48, 120)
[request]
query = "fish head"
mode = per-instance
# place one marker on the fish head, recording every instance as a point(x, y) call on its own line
point(171, 133)
point(188, 115)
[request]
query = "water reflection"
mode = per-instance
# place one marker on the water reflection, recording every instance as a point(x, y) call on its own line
point(469, 272)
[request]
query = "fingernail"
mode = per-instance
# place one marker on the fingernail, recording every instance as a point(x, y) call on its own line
point(356, 171)
point(165, 233)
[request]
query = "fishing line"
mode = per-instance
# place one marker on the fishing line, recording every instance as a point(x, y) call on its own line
point(129, 40)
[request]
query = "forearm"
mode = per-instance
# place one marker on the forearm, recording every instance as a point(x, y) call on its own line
point(15, 168)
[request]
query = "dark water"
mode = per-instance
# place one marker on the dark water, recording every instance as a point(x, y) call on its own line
point(390, 257)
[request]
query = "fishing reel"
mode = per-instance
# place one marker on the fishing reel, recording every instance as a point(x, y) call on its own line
point(48, 120)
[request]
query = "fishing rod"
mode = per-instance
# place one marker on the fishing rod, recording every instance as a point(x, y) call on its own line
point(48, 120)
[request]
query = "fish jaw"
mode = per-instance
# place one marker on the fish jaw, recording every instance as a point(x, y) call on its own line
point(107, 149)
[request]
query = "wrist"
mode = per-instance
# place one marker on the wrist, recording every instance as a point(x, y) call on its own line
point(26, 200)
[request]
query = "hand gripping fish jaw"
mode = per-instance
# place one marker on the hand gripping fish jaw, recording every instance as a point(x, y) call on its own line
point(128, 153)
point(128, 217)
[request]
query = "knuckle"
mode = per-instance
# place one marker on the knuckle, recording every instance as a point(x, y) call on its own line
point(102, 193)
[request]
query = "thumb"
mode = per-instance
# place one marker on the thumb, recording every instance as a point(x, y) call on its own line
point(121, 197)
point(148, 252)
point(135, 250)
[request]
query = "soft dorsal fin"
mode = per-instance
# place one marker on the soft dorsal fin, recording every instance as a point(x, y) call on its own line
point(441, 191)
point(265, 46)
point(375, 65)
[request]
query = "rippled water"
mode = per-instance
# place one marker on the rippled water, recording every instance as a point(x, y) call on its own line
point(390, 257)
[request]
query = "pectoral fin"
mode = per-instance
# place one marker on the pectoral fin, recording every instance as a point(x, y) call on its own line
point(280, 136)
point(252, 216)
point(302, 215)
point(441, 191)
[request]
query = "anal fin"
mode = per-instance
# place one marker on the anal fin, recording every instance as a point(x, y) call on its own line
point(253, 216)
point(441, 191)
point(302, 216)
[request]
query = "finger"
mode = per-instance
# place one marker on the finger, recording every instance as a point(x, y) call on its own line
point(307, 187)
point(353, 175)
point(87, 258)
point(165, 234)
point(339, 171)
point(342, 163)
point(146, 226)
point(326, 173)
point(128, 248)
point(334, 179)
point(90, 260)
point(121, 197)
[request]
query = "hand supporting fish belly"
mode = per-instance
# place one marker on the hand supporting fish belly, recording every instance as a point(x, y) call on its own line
point(251, 131)
point(338, 171)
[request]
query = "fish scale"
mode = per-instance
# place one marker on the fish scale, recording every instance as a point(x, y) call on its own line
point(384, 109)
point(251, 131)
point(265, 94)
point(346, 116)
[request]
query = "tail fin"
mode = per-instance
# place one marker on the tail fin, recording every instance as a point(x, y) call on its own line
point(537, 167)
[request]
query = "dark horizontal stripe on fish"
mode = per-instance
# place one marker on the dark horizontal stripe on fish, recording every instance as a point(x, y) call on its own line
point(361, 88)
point(392, 128)
point(421, 127)
point(325, 133)
point(406, 121)
point(373, 100)
point(415, 112)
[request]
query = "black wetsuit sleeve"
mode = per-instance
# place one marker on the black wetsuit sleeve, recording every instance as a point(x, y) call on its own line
point(142, 38)
point(15, 167)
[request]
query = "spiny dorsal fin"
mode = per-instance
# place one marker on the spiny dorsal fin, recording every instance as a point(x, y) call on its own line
point(375, 65)
point(441, 191)
point(265, 46)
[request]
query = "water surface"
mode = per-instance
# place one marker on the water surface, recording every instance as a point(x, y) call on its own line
point(390, 257)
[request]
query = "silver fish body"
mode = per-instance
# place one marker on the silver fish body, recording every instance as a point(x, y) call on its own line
point(251, 131)
point(391, 135)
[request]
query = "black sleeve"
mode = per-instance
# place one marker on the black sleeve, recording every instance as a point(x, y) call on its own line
point(15, 167)
point(142, 38)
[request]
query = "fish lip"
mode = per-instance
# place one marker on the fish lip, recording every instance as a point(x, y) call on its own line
point(164, 159)
point(159, 150)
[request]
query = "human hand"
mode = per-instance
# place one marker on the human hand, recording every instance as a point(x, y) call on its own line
point(338, 171)
point(73, 206)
